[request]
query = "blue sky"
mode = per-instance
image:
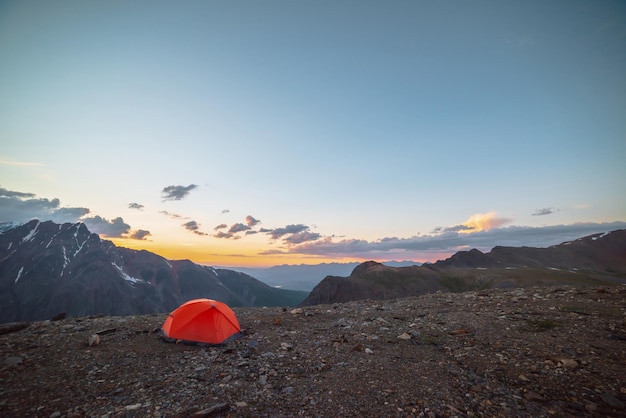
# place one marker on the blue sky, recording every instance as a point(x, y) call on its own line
point(241, 133)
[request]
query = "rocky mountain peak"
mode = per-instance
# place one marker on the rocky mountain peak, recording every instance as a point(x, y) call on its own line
point(48, 268)
point(366, 266)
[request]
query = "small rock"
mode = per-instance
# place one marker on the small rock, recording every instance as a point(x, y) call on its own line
point(612, 401)
point(132, 407)
point(241, 404)
point(297, 311)
point(286, 346)
point(404, 336)
point(523, 378)
point(288, 390)
point(568, 363)
point(12, 361)
point(533, 397)
point(220, 407)
point(94, 339)
point(358, 347)
point(368, 351)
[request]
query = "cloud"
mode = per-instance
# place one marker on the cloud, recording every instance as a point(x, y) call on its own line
point(289, 229)
point(173, 215)
point(542, 212)
point(22, 207)
point(194, 227)
point(225, 211)
point(10, 193)
point(483, 222)
point(116, 228)
point(447, 242)
point(456, 228)
point(20, 163)
point(250, 221)
point(176, 192)
point(71, 215)
point(135, 206)
point(140, 234)
point(301, 237)
point(238, 227)
point(476, 223)
point(226, 235)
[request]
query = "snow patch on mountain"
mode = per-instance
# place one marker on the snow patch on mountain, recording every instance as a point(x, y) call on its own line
point(125, 275)
point(32, 233)
point(19, 274)
point(80, 246)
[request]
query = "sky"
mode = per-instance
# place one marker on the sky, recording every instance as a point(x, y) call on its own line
point(248, 133)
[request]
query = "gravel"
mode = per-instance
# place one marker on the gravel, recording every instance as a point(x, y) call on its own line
point(529, 352)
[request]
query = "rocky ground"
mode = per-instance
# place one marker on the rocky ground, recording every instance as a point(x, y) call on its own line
point(519, 352)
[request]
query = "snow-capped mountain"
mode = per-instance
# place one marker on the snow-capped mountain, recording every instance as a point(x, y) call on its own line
point(48, 268)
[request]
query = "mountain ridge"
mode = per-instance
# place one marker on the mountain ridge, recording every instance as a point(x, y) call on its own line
point(592, 260)
point(48, 268)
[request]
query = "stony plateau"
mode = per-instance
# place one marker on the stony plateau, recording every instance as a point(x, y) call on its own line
point(532, 352)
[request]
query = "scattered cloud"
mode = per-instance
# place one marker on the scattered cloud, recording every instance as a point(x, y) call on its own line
point(22, 207)
point(476, 223)
point(194, 227)
point(140, 234)
point(483, 222)
point(544, 211)
point(300, 237)
point(135, 206)
point(116, 228)
point(250, 221)
point(225, 211)
point(238, 227)
point(226, 235)
point(10, 193)
point(446, 242)
point(20, 163)
point(173, 215)
point(278, 233)
point(176, 192)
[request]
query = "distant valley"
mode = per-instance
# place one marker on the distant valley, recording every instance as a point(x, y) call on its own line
point(306, 276)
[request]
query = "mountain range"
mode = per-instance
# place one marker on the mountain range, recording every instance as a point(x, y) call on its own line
point(593, 260)
point(47, 269)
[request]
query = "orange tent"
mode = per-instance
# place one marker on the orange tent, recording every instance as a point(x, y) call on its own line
point(201, 321)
